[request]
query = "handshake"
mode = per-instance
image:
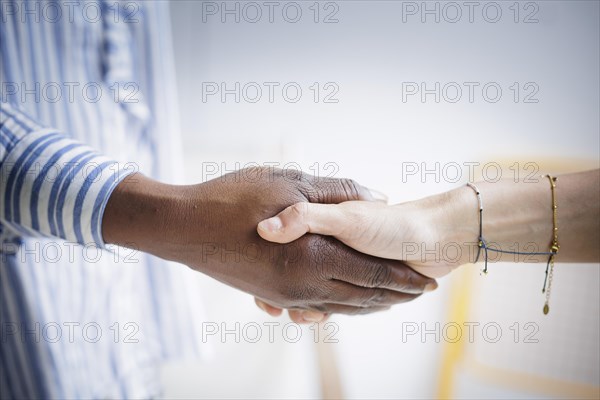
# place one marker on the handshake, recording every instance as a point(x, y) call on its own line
point(311, 245)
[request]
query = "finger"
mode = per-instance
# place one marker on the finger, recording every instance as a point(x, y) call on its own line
point(300, 218)
point(269, 309)
point(435, 272)
point(334, 190)
point(335, 308)
point(340, 262)
point(386, 274)
point(368, 297)
point(298, 316)
point(306, 316)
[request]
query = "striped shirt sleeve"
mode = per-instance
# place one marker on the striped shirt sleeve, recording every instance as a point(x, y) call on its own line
point(50, 184)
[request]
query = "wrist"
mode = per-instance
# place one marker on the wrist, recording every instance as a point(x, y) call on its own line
point(453, 221)
point(524, 225)
point(142, 213)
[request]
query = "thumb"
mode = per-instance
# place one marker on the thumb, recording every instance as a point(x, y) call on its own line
point(301, 218)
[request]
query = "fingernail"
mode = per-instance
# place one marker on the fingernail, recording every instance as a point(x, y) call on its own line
point(311, 316)
point(430, 287)
point(272, 224)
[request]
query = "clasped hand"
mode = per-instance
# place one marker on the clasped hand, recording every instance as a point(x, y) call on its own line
point(320, 245)
point(401, 232)
point(211, 227)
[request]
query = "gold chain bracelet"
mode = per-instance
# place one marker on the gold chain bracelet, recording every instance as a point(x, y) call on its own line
point(553, 247)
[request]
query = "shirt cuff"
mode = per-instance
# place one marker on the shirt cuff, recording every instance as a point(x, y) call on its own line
point(54, 186)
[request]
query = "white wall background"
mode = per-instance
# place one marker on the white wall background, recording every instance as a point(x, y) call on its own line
point(371, 134)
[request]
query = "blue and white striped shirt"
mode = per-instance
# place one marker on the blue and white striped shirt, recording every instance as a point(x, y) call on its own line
point(87, 97)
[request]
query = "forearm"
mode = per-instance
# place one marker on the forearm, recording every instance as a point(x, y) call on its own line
point(518, 217)
point(146, 215)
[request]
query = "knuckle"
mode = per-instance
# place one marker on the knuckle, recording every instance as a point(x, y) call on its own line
point(350, 188)
point(324, 257)
point(407, 279)
point(299, 210)
point(334, 190)
point(309, 192)
point(293, 175)
point(312, 193)
point(253, 171)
